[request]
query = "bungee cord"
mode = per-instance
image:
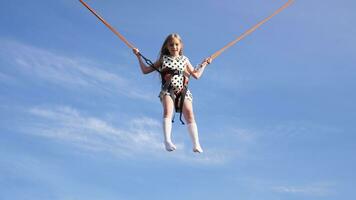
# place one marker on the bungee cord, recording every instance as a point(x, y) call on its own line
point(249, 31)
point(108, 25)
point(131, 46)
point(213, 56)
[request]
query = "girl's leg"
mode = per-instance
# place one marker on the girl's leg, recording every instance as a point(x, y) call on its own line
point(168, 107)
point(192, 126)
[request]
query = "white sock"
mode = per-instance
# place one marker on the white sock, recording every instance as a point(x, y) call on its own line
point(167, 131)
point(193, 132)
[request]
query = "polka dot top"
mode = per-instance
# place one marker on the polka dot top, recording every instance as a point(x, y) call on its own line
point(177, 63)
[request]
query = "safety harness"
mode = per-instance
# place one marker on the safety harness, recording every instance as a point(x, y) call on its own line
point(178, 97)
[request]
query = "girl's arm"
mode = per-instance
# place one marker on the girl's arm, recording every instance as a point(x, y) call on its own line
point(198, 72)
point(144, 68)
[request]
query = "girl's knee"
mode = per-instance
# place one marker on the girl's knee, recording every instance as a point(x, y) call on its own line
point(167, 112)
point(189, 117)
point(167, 108)
point(167, 115)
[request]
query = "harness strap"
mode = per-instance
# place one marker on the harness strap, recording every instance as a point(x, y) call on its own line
point(179, 101)
point(178, 98)
point(149, 62)
point(182, 98)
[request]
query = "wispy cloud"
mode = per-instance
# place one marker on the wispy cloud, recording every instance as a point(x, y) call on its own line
point(4, 78)
point(317, 189)
point(67, 124)
point(69, 72)
point(292, 129)
point(244, 135)
point(141, 137)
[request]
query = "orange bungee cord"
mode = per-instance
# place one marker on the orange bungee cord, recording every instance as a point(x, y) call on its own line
point(131, 46)
point(249, 31)
point(214, 55)
point(108, 25)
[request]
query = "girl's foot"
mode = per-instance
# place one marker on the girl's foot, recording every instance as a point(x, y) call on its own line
point(198, 149)
point(193, 132)
point(170, 146)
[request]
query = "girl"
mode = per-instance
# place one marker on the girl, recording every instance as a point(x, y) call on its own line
point(175, 71)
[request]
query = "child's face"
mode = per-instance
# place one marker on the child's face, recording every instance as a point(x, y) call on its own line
point(174, 46)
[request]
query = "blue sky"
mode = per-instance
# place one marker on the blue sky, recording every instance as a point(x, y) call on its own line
point(276, 112)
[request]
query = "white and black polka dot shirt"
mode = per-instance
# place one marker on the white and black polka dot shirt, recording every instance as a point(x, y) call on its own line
point(179, 63)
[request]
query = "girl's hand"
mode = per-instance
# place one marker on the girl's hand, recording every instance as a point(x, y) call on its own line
point(207, 61)
point(136, 51)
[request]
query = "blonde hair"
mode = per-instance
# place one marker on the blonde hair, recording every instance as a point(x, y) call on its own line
point(164, 49)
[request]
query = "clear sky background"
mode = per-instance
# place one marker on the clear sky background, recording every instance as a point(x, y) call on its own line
point(276, 112)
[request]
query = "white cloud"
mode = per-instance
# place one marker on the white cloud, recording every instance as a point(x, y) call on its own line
point(244, 135)
point(143, 136)
point(69, 125)
point(69, 72)
point(317, 189)
point(298, 129)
